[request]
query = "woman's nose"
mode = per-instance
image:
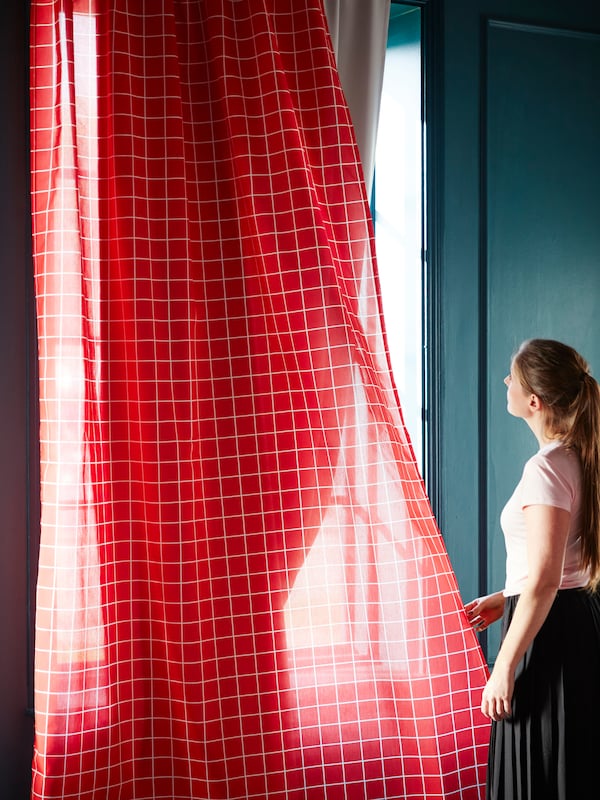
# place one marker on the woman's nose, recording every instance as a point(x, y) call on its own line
point(507, 380)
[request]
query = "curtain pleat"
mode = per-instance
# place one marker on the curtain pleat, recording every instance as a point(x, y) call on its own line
point(359, 32)
point(242, 590)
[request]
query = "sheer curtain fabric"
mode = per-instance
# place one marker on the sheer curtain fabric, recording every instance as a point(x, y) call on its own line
point(242, 590)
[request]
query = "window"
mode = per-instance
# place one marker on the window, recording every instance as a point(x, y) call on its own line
point(398, 202)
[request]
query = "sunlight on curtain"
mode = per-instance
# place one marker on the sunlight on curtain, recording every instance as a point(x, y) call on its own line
point(71, 680)
point(242, 590)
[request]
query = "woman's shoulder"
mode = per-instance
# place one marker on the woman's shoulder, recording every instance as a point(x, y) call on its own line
point(556, 460)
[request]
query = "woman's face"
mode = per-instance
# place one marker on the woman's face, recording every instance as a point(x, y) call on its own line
point(517, 398)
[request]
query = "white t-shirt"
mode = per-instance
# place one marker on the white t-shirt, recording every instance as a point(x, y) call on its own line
point(552, 477)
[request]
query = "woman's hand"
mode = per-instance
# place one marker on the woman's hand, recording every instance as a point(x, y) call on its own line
point(497, 694)
point(482, 611)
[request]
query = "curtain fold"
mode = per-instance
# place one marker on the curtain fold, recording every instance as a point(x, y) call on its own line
point(242, 591)
point(359, 35)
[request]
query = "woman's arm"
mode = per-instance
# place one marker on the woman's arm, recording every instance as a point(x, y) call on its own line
point(547, 531)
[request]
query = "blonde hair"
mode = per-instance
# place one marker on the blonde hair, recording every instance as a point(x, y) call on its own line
point(561, 378)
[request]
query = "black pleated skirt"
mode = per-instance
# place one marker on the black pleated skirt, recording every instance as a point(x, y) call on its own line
point(550, 748)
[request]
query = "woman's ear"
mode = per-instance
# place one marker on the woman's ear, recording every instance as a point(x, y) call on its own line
point(535, 404)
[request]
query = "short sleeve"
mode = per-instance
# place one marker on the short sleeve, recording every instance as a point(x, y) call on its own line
point(544, 483)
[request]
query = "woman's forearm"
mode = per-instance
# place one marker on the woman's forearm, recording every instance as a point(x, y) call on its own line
point(547, 531)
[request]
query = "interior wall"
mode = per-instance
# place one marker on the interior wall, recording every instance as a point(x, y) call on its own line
point(519, 248)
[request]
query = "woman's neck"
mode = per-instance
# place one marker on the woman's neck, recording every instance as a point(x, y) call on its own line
point(536, 424)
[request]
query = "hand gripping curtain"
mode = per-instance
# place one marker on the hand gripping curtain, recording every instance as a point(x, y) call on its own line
point(242, 590)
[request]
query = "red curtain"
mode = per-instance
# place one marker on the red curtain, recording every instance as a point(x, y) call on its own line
point(242, 591)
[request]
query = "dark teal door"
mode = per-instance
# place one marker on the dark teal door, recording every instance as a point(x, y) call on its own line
point(519, 250)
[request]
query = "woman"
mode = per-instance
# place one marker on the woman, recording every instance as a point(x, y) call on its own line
point(543, 694)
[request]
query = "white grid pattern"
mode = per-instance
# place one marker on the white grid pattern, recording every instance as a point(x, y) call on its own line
point(242, 590)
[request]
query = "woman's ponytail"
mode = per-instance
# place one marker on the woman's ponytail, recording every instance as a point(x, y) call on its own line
point(584, 437)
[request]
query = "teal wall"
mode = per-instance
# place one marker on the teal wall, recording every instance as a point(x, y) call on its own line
point(519, 244)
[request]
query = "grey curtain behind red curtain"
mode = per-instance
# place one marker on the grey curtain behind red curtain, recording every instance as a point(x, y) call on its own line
point(242, 591)
point(359, 36)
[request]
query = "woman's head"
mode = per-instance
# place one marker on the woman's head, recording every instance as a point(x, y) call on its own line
point(560, 378)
